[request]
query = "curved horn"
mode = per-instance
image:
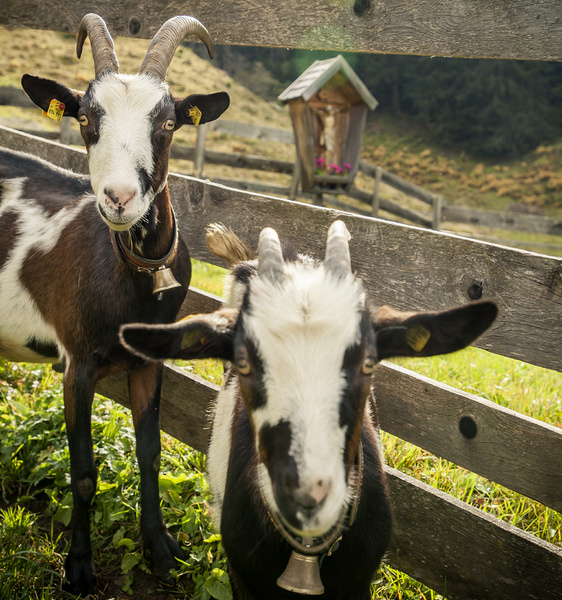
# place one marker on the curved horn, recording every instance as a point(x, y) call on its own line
point(337, 249)
point(94, 27)
point(270, 255)
point(167, 39)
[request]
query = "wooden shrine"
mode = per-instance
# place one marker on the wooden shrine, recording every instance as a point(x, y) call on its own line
point(328, 105)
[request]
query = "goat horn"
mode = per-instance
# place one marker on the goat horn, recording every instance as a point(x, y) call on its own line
point(270, 255)
point(94, 27)
point(337, 249)
point(167, 39)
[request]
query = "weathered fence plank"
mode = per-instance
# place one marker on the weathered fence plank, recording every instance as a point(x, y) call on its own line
point(74, 159)
point(502, 220)
point(408, 267)
point(186, 400)
point(465, 553)
point(397, 182)
point(12, 96)
point(432, 546)
point(251, 130)
point(403, 212)
point(236, 160)
point(524, 29)
point(511, 449)
point(199, 301)
point(257, 187)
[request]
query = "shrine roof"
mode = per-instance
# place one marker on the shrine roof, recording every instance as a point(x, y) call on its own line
point(319, 74)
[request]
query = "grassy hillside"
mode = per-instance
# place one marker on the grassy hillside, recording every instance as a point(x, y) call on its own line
point(531, 185)
point(403, 147)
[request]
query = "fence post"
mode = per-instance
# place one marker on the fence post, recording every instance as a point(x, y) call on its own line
point(294, 187)
point(200, 150)
point(437, 211)
point(376, 200)
point(65, 131)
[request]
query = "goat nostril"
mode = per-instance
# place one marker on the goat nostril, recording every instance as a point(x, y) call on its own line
point(119, 199)
point(128, 196)
point(320, 490)
point(110, 197)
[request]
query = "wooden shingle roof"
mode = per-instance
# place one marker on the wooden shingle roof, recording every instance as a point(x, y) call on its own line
point(319, 74)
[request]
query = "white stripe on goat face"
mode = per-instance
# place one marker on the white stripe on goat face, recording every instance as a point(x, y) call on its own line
point(301, 329)
point(122, 161)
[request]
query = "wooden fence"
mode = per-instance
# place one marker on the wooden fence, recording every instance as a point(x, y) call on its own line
point(439, 540)
point(371, 203)
point(454, 548)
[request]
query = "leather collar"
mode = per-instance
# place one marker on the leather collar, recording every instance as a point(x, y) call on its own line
point(145, 265)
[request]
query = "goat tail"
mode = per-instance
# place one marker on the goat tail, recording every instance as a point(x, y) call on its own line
point(225, 244)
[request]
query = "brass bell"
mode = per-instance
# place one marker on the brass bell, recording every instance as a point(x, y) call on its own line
point(164, 280)
point(302, 575)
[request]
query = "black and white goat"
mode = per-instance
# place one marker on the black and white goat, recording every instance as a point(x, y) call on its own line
point(75, 265)
point(294, 459)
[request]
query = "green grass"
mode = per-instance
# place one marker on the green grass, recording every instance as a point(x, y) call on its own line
point(34, 467)
point(36, 501)
point(207, 277)
point(29, 562)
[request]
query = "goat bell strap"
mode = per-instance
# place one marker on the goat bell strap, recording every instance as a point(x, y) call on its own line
point(302, 574)
point(162, 275)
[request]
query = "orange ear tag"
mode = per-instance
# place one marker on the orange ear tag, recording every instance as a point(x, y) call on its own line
point(195, 115)
point(56, 110)
point(417, 337)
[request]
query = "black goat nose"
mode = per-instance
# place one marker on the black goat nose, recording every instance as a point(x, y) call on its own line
point(305, 501)
point(310, 499)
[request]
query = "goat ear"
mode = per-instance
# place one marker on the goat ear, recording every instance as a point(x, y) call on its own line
point(198, 336)
point(429, 333)
point(42, 91)
point(201, 108)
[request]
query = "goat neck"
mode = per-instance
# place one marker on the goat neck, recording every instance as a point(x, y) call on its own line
point(147, 254)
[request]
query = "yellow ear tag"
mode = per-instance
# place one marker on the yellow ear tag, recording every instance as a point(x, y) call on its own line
point(195, 115)
point(56, 110)
point(417, 337)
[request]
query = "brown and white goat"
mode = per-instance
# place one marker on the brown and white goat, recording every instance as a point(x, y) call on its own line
point(75, 265)
point(295, 459)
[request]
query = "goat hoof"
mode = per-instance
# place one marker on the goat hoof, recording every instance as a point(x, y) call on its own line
point(163, 553)
point(80, 576)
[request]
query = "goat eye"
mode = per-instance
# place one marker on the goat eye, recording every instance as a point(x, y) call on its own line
point(243, 366)
point(368, 366)
point(83, 120)
point(169, 124)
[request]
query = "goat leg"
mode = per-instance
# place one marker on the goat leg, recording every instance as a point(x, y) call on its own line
point(144, 392)
point(79, 385)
